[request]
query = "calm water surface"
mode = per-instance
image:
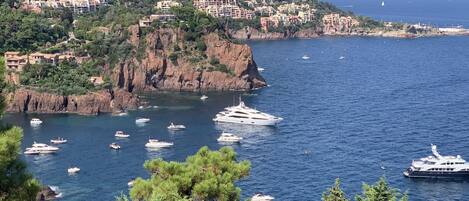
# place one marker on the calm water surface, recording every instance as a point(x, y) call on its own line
point(384, 104)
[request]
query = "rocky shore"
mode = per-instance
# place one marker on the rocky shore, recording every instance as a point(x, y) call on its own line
point(93, 103)
point(253, 34)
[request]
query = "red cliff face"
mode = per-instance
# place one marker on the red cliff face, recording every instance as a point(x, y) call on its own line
point(24, 100)
point(155, 71)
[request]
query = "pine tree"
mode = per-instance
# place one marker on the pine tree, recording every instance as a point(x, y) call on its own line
point(380, 191)
point(334, 193)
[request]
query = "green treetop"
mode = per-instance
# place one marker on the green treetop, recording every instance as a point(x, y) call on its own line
point(334, 193)
point(208, 175)
point(380, 191)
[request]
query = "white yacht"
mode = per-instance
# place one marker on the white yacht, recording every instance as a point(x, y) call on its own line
point(203, 97)
point(121, 134)
point(173, 126)
point(228, 137)
point(341, 57)
point(305, 57)
point(40, 148)
point(153, 143)
point(260, 69)
point(142, 120)
point(114, 146)
point(244, 115)
point(438, 166)
point(58, 140)
point(261, 197)
point(35, 121)
point(73, 170)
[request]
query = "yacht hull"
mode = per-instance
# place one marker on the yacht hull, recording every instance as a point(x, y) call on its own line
point(434, 174)
point(247, 121)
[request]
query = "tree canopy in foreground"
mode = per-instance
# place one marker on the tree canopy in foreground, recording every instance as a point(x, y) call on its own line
point(207, 175)
point(16, 184)
point(380, 191)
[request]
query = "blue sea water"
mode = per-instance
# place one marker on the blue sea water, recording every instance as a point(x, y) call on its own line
point(382, 105)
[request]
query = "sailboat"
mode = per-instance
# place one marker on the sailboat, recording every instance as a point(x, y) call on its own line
point(382, 3)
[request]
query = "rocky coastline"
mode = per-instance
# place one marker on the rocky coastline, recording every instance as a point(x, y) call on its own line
point(253, 34)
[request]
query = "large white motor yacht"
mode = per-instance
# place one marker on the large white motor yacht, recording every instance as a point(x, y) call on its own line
point(153, 143)
point(438, 166)
point(244, 115)
point(35, 121)
point(173, 126)
point(40, 148)
point(261, 197)
point(228, 137)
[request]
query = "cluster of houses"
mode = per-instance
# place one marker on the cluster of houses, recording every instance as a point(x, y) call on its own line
point(223, 8)
point(77, 6)
point(334, 23)
point(15, 63)
point(286, 14)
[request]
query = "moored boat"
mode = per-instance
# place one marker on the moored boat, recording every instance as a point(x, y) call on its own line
point(114, 146)
point(438, 166)
point(228, 137)
point(153, 143)
point(242, 114)
point(35, 122)
point(173, 126)
point(58, 140)
point(121, 134)
point(142, 120)
point(261, 197)
point(73, 170)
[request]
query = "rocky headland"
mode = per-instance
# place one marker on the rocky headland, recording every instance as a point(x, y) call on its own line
point(154, 71)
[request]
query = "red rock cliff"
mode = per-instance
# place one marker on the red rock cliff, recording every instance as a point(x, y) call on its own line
point(155, 71)
point(24, 100)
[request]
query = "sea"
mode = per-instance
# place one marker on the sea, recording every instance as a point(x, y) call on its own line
point(359, 118)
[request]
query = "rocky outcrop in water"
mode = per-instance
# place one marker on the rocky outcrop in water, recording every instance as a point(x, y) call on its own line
point(25, 100)
point(156, 71)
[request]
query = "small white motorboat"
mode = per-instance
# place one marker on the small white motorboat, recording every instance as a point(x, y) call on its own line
point(142, 120)
point(228, 137)
point(203, 97)
point(114, 146)
point(35, 122)
point(260, 69)
point(58, 140)
point(305, 57)
point(121, 134)
point(131, 183)
point(73, 170)
point(261, 197)
point(121, 114)
point(341, 57)
point(153, 143)
point(175, 127)
point(141, 107)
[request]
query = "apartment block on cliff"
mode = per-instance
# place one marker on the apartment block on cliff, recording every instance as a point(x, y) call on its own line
point(78, 6)
point(166, 5)
point(334, 23)
point(223, 8)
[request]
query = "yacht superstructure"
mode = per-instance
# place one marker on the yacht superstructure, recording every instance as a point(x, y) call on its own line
point(243, 114)
point(438, 166)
